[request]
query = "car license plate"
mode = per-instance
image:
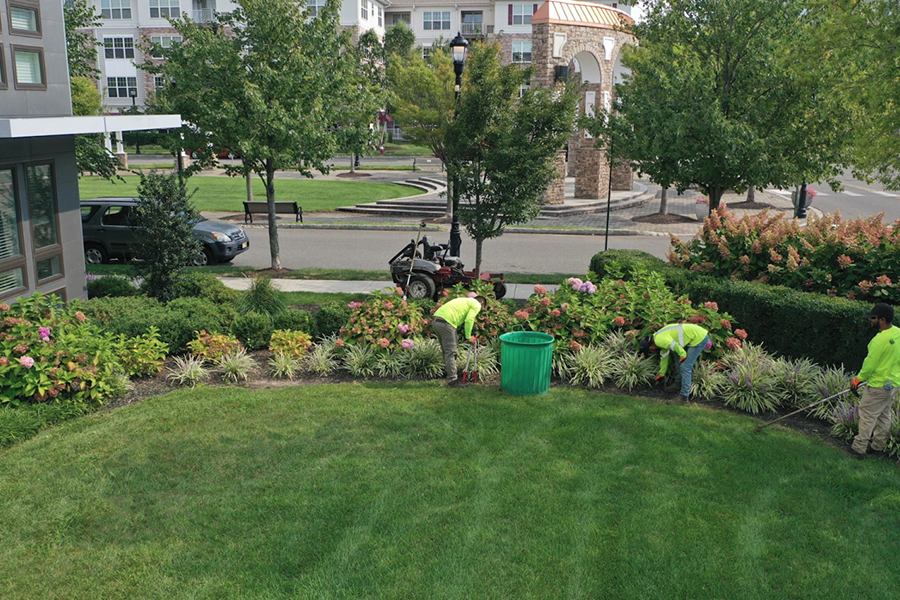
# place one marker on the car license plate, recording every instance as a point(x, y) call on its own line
point(244, 245)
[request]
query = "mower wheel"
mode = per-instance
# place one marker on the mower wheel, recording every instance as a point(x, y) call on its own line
point(420, 286)
point(499, 289)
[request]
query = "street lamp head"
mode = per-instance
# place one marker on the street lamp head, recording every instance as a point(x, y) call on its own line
point(132, 93)
point(458, 48)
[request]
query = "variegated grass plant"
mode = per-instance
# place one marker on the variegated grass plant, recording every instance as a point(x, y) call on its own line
point(236, 366)
point(845, 421)
point(591, 366)
point(706, 380)
point(359, 360)
point(829, 382)
point(324, 358)
point(794, 381)
point(425, 359)
point(284, 366)
point(188, 370)
point(630, 369)
point(749, 382)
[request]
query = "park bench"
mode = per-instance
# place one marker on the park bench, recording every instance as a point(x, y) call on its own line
point(281, 208)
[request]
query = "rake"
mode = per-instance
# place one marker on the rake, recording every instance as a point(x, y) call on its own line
point(816, 403)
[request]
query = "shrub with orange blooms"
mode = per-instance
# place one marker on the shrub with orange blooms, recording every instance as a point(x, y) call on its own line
point(854, 258)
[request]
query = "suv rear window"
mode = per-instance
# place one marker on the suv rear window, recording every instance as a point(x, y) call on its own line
point(117, 215)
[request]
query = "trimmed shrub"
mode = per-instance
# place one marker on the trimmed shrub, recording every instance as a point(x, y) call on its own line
point(206, 286)
point(295, 320)
point(111, 286)
point(626, 261)
point(141, 355)
point(184, 316)
point(291, 343)
point(213, 346)
point(262, 297)
point(129, 316)
point(331, 317)
point(254, 330)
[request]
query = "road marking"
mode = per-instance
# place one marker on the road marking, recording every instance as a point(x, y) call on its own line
point(888, 194)
point(782, 192)
point(851, 193)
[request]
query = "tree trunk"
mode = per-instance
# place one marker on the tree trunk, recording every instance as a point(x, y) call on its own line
point(273, 218)
point(664, 201)
point(751, 193)
point(352, 163)
point(715, 197)
point(248, 176)
point(478, 244)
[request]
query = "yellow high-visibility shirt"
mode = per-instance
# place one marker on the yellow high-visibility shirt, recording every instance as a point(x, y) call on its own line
point(675, 338)
point(458, 311)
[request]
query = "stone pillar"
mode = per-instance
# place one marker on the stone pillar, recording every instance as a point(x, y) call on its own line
point(591, 173)
point(184, 160)
point(556, 192)
point(622, 178)
point(120, 150)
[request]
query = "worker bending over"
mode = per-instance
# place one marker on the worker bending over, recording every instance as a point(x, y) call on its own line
point(447, 320)
point(687, 341)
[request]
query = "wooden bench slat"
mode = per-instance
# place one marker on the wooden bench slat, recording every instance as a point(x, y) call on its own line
point(290, 208)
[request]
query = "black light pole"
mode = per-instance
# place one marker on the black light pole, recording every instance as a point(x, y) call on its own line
point(132, 93)
point(801, 202)
point(608, 195)
point(458, 48)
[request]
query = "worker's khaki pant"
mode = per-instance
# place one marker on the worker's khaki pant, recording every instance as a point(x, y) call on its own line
point(447, 335)
point(874, 419)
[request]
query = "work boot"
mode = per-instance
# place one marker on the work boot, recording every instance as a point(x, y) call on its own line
point(857, 455)
point(683, 398)
point(456, 383)
point(673, 387)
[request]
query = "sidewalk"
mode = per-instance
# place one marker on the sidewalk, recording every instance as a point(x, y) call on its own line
point(517, 291)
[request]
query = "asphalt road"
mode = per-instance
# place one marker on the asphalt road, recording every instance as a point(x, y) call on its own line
point(371, 249)
point(857, 199)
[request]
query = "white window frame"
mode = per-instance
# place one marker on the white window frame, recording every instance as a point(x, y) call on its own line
point(314, 6)
point(165, 41)
point(364, 10)
point(440, 18)
point(165, 9)
point(124, 50)
point(522, 14)
point(115, 9)
point(121, 85)
point(519, 48)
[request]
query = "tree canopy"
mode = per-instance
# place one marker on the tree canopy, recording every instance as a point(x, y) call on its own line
point(717, 98)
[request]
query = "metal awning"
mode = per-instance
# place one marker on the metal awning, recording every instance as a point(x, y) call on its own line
point(27, 127)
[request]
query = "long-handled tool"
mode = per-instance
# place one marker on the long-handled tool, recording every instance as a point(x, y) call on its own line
point(471, 357)
point(412, 259)
point(816, 403)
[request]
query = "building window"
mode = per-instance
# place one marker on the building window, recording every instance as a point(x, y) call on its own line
point(24, 19)
point(472, 23)
point(44, 221)
point(28, 68)
point(165, 41)
point(520, 14)
point(159, 82)
point(115, 9)
point(11, 278)
point(118, 87)
point(521, 52)
point(380, 16)
point(426, 52)
point(364, 9)
point(315, 7)
point(395, 18)
point(436, 20)
point(161, 9)
point(3, 81)
point(49, 267)
point(524, 88)
point(119, 47)
point(11, 281)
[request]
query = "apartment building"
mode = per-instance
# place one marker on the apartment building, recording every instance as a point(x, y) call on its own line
point(127, 22)
point(41, 245)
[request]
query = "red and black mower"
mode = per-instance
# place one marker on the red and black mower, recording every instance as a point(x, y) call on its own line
point(432, 270)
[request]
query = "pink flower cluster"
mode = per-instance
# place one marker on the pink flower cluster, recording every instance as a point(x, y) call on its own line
point(403, 328)
point(407, 343)
point(44, 333)
point(581, 286)
point(540, 290)
point(26, 361)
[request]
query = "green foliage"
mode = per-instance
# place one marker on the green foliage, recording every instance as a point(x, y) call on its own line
point(183, 316)
point(188, 370)
point(295, 320)
point(425, 359)
point(855, 258)
point(384, 321)
point(141, 355)
point(92, 157)
point(236, 365)
point(795, 381)
point(265, 80)
point(331, 317)
point(323, 359)
point(22, 422)
point(110, 286)
point(52, 353)
point(630, 370)
point(163, 229)
point(501, 149)
point(390, 364)
point(80, 18)
point(359, 360)
point(212, 347)
point(262, 297)
point(86, 101)
point(284, 366)
point(591, 366)
point(715, 96)
point(624, 261)
point(290, 343)
point(399, 42)
point(749, 382)
point(253, 329)
point(129, 316)
point(206, 286)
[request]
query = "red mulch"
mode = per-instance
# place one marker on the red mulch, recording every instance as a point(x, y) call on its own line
point(658, 219)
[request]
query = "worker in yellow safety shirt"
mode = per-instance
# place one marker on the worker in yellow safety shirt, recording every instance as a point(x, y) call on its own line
point(687, 341)
point(881, 372)
point(447, 320)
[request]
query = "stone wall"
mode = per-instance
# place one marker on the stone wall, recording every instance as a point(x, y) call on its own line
point(556, 192)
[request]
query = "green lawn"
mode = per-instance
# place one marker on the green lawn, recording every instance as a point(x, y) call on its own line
point(411, 490)
point(228, 193)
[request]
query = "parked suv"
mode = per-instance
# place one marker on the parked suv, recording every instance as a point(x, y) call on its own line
point(105, 226)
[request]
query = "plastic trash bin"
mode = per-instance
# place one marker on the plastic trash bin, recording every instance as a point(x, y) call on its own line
point(526, 358)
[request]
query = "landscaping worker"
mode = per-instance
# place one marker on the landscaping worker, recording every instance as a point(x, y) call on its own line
point(447, 320)
point(684, 339)
point(881, 372)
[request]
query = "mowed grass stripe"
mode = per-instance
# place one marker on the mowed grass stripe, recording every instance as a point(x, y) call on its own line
point(411, 490)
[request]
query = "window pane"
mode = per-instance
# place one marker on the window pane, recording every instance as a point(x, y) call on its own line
point(48, 267)
point(9, 217)
point(23, 18)
point(42, 203)
point(28, 67)
point(11, 280)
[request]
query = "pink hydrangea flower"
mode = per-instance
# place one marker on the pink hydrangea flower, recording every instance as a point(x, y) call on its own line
point(619, 321)
point(564, 307)
point(4, 306)
point(740, 333)
point(80, 317)
point(403, 328)
point(883, 280)
point(354, 305)
point(712, 305)
point(545, 301)
point(26, 361)
point(472, 294)
point(574, 346)
point(383, 342)
point(339, 343)
point(521, 315)
point(407, 343)
point(4, 361)
point(725, 323)
point(844, 261)
point(733, 343)
point(539, 289)
point(555, 312)
point(44, 332)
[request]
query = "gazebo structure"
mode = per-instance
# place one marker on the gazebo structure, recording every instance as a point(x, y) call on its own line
point(582, 39)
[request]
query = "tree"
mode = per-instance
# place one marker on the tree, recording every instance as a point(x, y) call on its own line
point(502, 147)
point(715, 99)
point(163, 227)
point(399, 41)
point(91, 154)
point(265, 81)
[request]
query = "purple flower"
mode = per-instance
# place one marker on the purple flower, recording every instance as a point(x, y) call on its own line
point(354, 305)
point(407, 343)
point(403, 328)
point(44, 332)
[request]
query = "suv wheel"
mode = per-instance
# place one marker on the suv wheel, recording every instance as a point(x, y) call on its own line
point(95, 255)
point(204, 258)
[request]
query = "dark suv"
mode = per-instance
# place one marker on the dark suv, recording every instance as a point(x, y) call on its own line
point(105, 225)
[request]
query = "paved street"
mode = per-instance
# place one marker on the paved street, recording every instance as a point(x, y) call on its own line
point(858, 198)
point(368, 249)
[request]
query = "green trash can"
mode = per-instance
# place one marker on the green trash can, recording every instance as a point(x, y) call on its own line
point(526, 358)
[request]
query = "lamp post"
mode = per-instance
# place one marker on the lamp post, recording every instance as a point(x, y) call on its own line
point(459, 46)
point(132, 93)
point(801, 202)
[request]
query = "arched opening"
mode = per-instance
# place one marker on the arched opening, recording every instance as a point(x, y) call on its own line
point(587, 65)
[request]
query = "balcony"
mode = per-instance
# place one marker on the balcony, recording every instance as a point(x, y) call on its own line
point(476, 29)
point(203, 15)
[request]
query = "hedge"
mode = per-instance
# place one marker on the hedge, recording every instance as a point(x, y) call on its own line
point(826, 329)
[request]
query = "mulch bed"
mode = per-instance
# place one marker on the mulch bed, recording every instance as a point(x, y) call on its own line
point(353, 175)
point(658, 219)
point(260, 380)
point(751, 205)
